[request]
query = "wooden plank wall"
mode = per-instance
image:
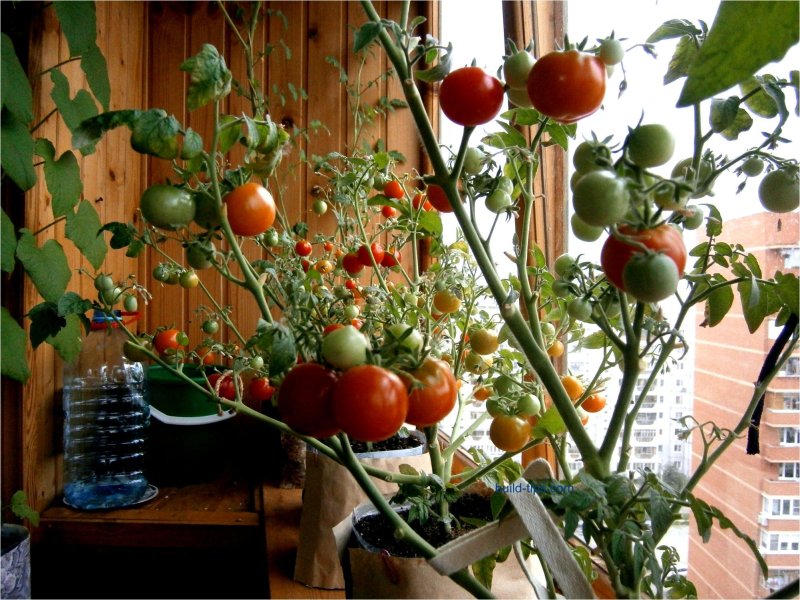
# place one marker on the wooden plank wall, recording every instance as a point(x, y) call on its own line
point(144, 43)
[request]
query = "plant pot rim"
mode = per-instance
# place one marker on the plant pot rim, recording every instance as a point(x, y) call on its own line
point(13, 535)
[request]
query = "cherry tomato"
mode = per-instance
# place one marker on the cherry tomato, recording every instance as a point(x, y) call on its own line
point(650, 277)
point(364, 254)
point(388, 211)
point(167, 207)
point(556, 349)
point(189, 279)
point(469, 96)
point(370, 403)
point(305, 402)
point(324, 266)
point(446, 302)
point(594, 403)
point(130, 303)
point(173, 339)
point(345, 347)
point(210, 326)
point(483, 341)
point(600, 198)
point(438, 198)
point(481, 393)
point(573, 386)
point(778, 191)
point(394, 189)
point(320, 207)
point(662, 239)
point(509, 433)
point(225, 387)
point(390, 259)
point(251, 209)
point(260, 389)
point(303, 248)
point(421, 202)
point(433, 393)
point(516, 69)
point(567, 86)
point(103, 283)
point(352, 263)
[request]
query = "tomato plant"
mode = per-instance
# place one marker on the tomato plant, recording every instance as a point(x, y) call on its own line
point(251, 209)
point(567, 86)
point(303, 248)
point(509, 433)
point(370, 403)
point(260, 389)
point(167, 206)
point(616, 253)
point(469, 96)
point(173, 339)
point(432, 393)
point(305, 400)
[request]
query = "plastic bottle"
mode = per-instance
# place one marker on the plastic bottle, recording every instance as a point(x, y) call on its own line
point(106, 415)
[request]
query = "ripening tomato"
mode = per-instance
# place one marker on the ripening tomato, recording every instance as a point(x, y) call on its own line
point(377, 252)
point(251, 209)
point(469, 96)
point(167, 207)
point(370, 403)
point(616, 253)
point(594, 403)
point(433, 394)
point(567, 86)
point(173, 339)
point(420, 201)
point(352, 263)
point(438, 198)
point(509, 433)
point(304, 400)
point(394, 189)
point(260, 389)
point(303, 248)
point(481, 393)
point(573, 386)
point(225, 387)
point(556, 349)
point(446, 302)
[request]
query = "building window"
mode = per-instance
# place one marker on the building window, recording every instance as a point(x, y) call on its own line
point(783, 542)
point(791, 257)
point(791, 402)
point(644, 435)
point(677, 448)
point(778, 578)
point(789, 470)
point(782, 507)
point(790, 436)
point(791, 367)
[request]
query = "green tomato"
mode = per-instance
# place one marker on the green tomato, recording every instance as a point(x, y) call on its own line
point(506, 184)
point(778, 191)
point(473, 161)
point(162, 273)
point(580, 309)
point(498, 201)
point(562, 289)
point(671, 197)
point(503, 384)
point(103, 282)
point(188, 279)
point(112, 296)
point(351, 311)
point(271, 237)
point(563, 265)
point(256, 363)
point(199, 254)
point(345, 347)
point(650, 277)
point(320, 207)
point(650, 145)
point(413, 341)
point(586, 155)
point(548, 329)
point(494, 407)
point(167, 207)
point(611, 52)
point(206, 214)
point(519, 97)
point(516, 69)
point(529, 405)
point(210, 326)
point(693, 217)
point(600, 198)
point(583, 231)
point(410, 299)
point(130, 303)
point(753, 166)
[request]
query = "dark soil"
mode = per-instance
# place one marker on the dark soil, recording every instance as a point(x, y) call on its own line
point(395, 442)
point(376, 530)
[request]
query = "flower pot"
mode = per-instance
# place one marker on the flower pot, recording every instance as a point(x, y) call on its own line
point(15, 562)
point(329, 495)
point(372, 572)
point(189, 436)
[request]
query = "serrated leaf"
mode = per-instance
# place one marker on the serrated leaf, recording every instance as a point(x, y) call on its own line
point(90, 131)
point(16, 150)
point(8, 243)
point(681, 60)
point(283, 352)
point(83, 227)
point(660, 514)
point(15, 89)
point(718, 304)
point(155, 132)
point(594, 340)
point(45, 322)
point(46, 266)
point(365, 35)
point(73, 110)
point(550, 423)
point(72, 304)
point(734, 49)
point(672, 29)
point(789, 291)
point(62, 176)
point(760, 103)
point(93, 64)
point(67, 341)
point(12, 348)
point(210, 79)
point(229, 133)
point(430, 222)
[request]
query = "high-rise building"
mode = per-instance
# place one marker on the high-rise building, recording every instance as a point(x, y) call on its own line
point(759, 493)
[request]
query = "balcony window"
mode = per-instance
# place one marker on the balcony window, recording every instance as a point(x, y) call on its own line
point(783, 542)
point(789, 470)
point(645, 418)
point(781, 507)
point(789, 436)
point(644, 435)
point(791, 402)
point(791, 368)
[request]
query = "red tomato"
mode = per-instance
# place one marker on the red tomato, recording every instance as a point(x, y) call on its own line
point(331, 327)
point(370, 403)
point(304, 400)
point(169, 339)
point(433, 394)
point(616, 253)
point(438, 198)
point(377, 251)
point(389, 211)
point(420, 201)
point(390, 259)
point(469, 96)
point(394, 189)
point(351, 284)
point(567, 86)
point(303, 248)
point(226, 389)
point(352, 263)
point(260, 389)
point(327, 246)
point(509, 433)
point(306, 265)
point(250, 208)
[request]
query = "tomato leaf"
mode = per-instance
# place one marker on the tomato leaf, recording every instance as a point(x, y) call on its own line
point(734, 49)
point(47, 266)
point(718, 304)
point(45, 322)
point(673, 28)
point(760, 103)
point(155, 132)
point(483, 570)
point(366, 34)
point(16, 150)
point(549, 423)
point(683, 57)
point(660, 514)
point(210, 80)
point(789, 291)
point(90, 131)
point(63, 177)
point(431, 222)
point(122, 235)
point(73, 110)
point(12, 351)
point(83, 228)
point(440, 70)
point(67, 341)
point(192, 144)
point(15, 89)
point(729, 119)
point(8, 243)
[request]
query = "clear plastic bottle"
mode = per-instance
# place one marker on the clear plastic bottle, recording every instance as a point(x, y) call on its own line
point(106, 415)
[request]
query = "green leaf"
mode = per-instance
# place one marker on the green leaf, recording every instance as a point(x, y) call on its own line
point(723, 113)
point(83, 227)
point(483, 570)
point(431, 222)
point(718, 304)
point(660, 514)
point(439, 71)
point(594, 340)
point(78, 23)
point(571, 522)
point(72, 304)
point(366, 34)
point(93, 63)
point(73, 110)
point(789, 291)
point(8, 243)
point(155, 132)
point(550, 422)
point(16, 150)
point(283, 352)
point(760, 103)
point(742, 122)
point(12, 349)
point(750, 296)
point(63, 177)
point(682, 59)
point(15, 89)
point(735, 49)
point(674, 28)
point(192, 144)
point(45, 322)
point(91, 130)
point(122, 235)
point(67, 341)
point(210, 80)
point(47, 266)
